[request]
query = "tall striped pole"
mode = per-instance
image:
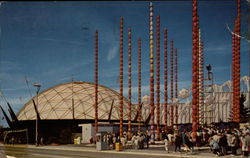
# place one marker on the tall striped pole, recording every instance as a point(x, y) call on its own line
point(233, 77)
point(158, 76)
point(237, 64)
point(198, 80)
point(96, 82)
point(151, 39)
point(234, 72)
point(201, 82)
point(129, 83)
point(121, 77)
point(176, 85)
point(198, 88)
point(165, 79)
point(172, 82)
point(139, 84)
point(194, 68)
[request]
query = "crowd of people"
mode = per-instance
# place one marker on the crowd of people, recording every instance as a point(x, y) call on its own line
point(138, 140)
point(220, 142)
point(223, 142)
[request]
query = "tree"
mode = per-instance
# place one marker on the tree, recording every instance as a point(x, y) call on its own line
point(244, 111)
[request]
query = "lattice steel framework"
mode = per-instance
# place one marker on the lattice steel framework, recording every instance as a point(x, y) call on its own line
point(55, 103)
point(219, 101)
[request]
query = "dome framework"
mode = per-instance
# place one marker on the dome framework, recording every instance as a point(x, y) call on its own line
point(75, 99)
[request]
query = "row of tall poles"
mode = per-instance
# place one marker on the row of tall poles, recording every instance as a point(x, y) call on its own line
point(197, 75)
point(152, 92)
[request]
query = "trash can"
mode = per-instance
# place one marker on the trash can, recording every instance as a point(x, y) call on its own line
point(118, 147)
point(101, 141)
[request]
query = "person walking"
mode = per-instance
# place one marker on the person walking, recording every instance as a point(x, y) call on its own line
point(199, 140)
point(245, 146)
point(166, 144)
point(223, 144)
point(233, 144)
point(177, 142)
point(215, 146)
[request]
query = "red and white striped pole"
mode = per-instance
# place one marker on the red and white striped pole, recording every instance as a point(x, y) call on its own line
point(121, 77)
point(139, 85)
point(129, 83)
point(194, 68)
point(165, 79)
point(158, 76)
point(176, 85)
point(96, 83)
point(171, 82)
point(151, 40)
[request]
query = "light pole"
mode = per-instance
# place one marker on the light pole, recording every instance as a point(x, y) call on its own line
point(38, 86)
point(209, 112)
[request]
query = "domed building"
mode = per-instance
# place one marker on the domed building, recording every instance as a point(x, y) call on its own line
point(63, 107)
point(75, 100)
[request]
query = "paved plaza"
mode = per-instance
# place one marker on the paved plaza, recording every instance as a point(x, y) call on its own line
point(88, 150)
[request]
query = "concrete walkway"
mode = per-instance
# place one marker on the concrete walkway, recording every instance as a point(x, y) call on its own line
point(154, 150)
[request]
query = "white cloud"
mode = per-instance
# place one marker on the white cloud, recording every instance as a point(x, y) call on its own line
point(112, 52)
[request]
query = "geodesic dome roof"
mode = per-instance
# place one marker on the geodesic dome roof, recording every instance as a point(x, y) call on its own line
point(59, 101)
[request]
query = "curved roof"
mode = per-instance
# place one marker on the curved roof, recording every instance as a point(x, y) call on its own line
point(57, 103)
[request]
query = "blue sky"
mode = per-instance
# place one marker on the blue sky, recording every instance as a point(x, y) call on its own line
point(45, 42)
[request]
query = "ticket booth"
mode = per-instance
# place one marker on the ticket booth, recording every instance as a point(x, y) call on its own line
point(101, 141)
